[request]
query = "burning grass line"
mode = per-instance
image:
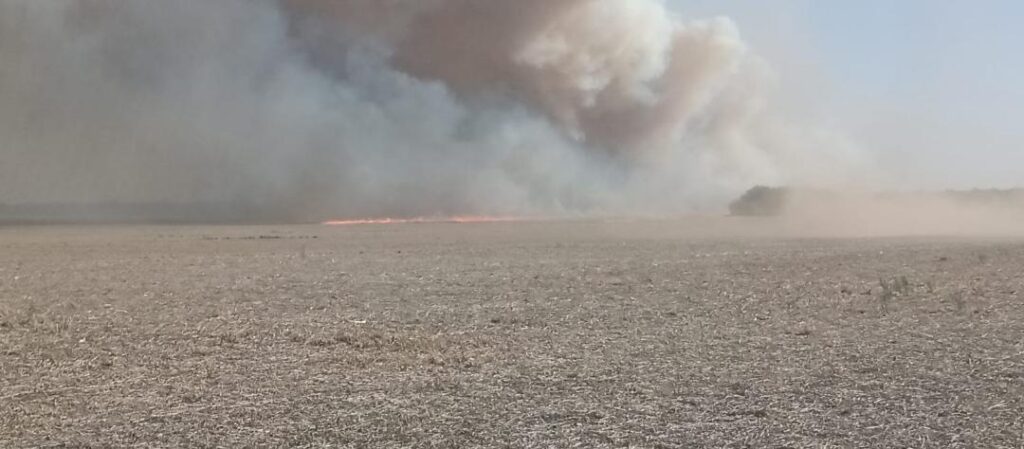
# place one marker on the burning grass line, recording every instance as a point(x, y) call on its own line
point(457, 219)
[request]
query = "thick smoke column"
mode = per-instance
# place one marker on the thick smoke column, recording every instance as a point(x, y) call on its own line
point(615, 74)
point(308, 108)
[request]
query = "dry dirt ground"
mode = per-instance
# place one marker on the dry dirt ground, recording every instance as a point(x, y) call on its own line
point(699, 333)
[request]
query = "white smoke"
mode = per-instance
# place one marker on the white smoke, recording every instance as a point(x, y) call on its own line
point(312, 108)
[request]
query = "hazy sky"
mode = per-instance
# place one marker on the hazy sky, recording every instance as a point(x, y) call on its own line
point(933, 88)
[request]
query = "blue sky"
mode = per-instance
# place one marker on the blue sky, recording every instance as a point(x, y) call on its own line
point(934, 89)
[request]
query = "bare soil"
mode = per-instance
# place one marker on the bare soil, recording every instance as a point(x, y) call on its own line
point(698, 333)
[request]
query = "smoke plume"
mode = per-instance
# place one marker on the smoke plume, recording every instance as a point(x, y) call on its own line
point(314, 108)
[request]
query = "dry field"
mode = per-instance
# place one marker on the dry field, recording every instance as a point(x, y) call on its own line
point(699, 333)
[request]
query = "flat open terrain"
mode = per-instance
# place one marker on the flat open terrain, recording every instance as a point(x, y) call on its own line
point(699, 333)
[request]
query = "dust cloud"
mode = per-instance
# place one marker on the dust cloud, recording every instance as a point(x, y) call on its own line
point(865, 213)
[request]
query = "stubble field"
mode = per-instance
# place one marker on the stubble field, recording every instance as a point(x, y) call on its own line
point(698, 333)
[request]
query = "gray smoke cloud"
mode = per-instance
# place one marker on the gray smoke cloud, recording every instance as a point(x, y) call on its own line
point(316, 108)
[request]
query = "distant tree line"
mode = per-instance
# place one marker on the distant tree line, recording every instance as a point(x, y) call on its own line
point(762, 201)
